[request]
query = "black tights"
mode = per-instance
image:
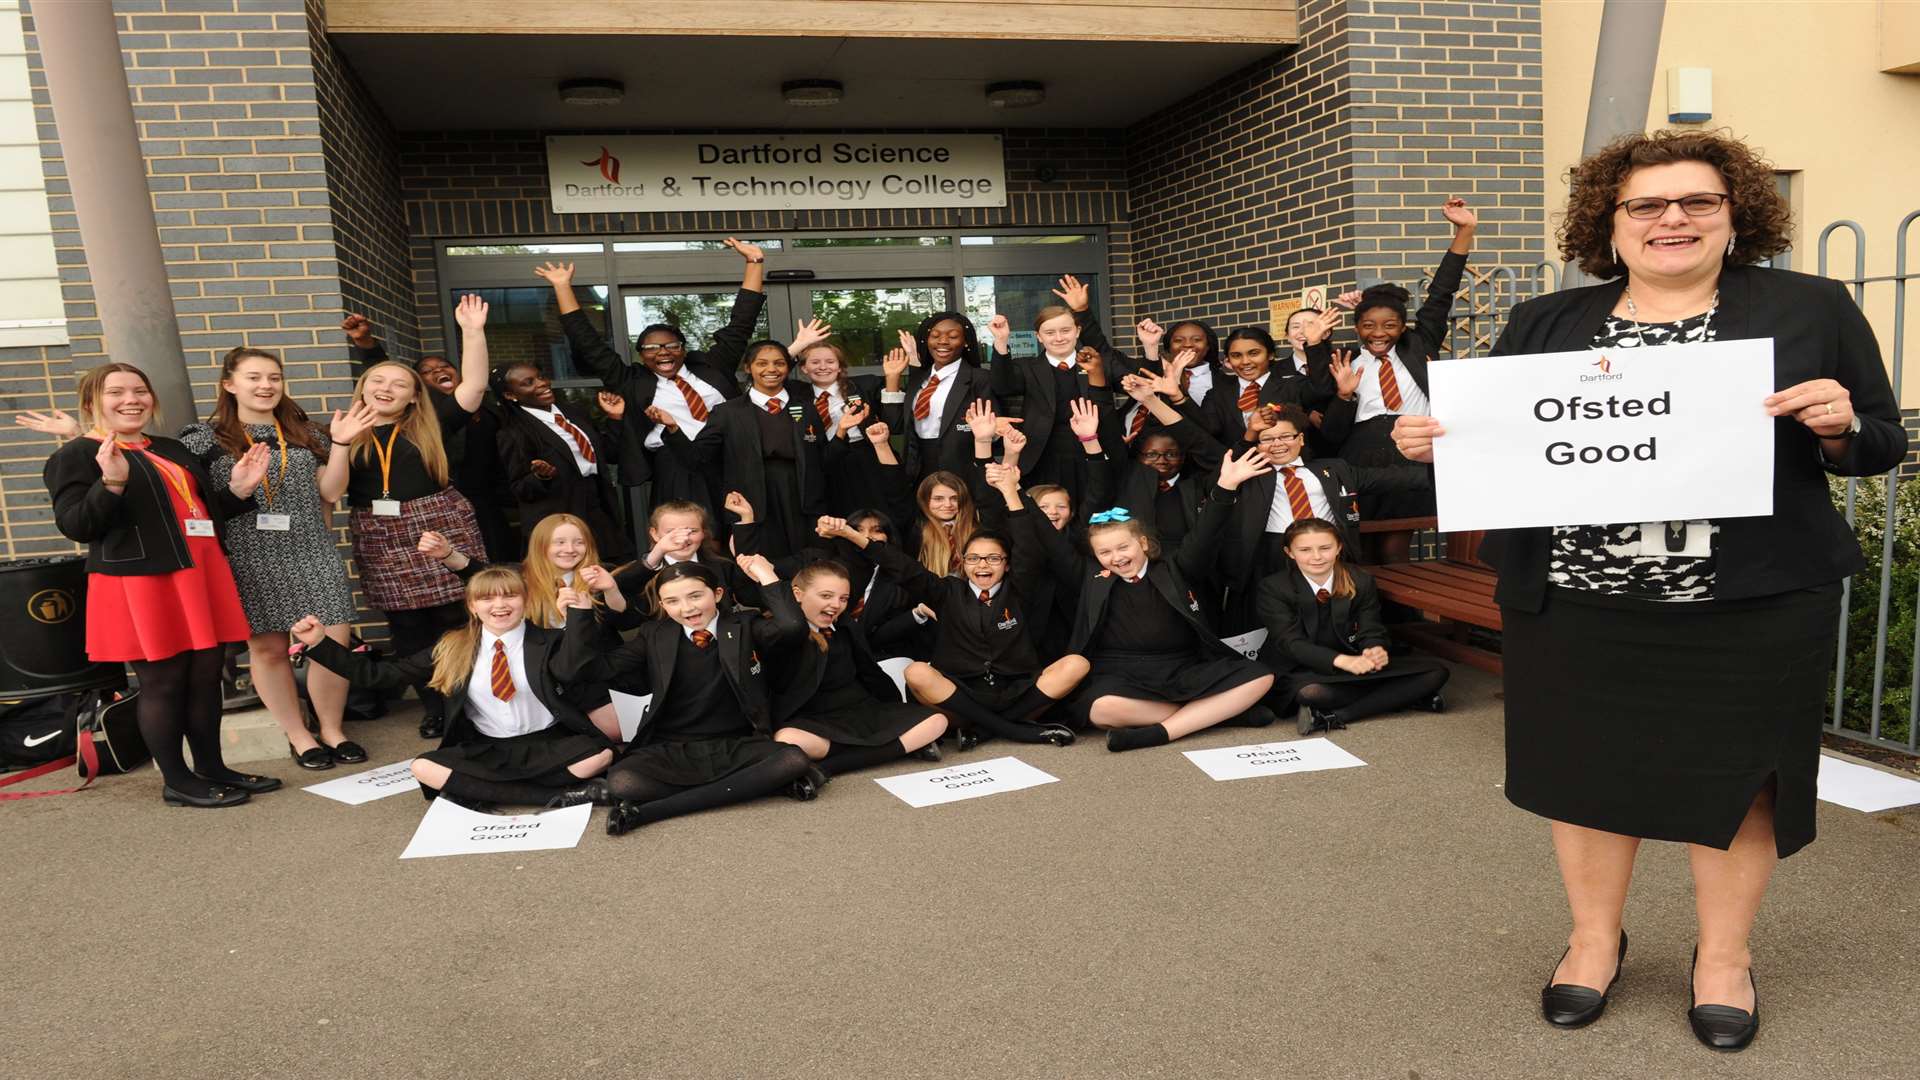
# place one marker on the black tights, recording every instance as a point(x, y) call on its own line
point(181, 696)
point(659, 801)
point(417, 631)
point(1352, 701)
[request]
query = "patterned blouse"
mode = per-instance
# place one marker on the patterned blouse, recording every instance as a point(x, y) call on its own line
point(1612, 559)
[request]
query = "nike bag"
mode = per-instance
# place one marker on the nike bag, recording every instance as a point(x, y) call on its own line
point(106, 740)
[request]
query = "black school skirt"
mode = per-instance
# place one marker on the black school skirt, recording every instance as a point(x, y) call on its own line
point(1173, 679)
point(692, 762)
point(1664, 721)
point(541, 756)
point(870, 722)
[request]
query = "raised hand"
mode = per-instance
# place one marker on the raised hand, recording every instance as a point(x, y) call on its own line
point(758, 568)
point(980, 419)
point(1004, 478)
point(879, 432)
point(1413, 436)
point(249, 470)
point(471, 312)
point(662, 417)
point(612, 404)
point(1072, 293)
point(1346, 373)
point(1150, 334)
point(309, 631)
point(542, 469)
point(746, 250)
point(806, 334)
point(894, 367)
point(911, 346)
point(1317, 327)
point(1458, 212)
point(1084, 418)
point(1001, 331)
point(347, 426)
point(1138, 387)
point(113, 463)
point(996, 474)
point(1258, 421)
point(1349, 299)
point(851, 417)
point(736, 504)
point(1013, 442)
point(596, 578)
point(828, 527)
point(52, 422)
point(1089, 360)
point(1237, 471)
point(434, 546)
point(555, 274)
point(571, 597)
point(359, 330)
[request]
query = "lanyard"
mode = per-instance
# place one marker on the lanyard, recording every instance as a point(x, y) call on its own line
point(267, 482)
point(385, 453)
point(176, 478)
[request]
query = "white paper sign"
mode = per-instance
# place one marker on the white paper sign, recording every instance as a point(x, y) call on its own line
point(364, 787)
point(1662, 433)
point(1247, 644)
point(970, 781)
point(628, 710)
point(896, 669)
point(1868, 790)
point(451, 829)
point(791, 171)
point(1271, 759)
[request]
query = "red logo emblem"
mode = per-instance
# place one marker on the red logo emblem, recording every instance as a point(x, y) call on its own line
point(1605, 365)
point(609, 166)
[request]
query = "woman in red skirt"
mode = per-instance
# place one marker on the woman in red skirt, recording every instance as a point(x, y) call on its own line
point(159, 594)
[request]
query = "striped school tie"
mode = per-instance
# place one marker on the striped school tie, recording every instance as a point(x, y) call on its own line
point(824, 406)
point(502, 673)
point(774, 405)
point(1139, 423)
point(1297, 500)
point(696, 404)
point(1322, 595)
point(702, 638)
point(1389, 385)
point(579, 437)
point(1249, 398)
point(923, 402)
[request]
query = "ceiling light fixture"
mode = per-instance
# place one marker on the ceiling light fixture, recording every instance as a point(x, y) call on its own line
point(812, 93)
point(592, 91)
point(1016, 95)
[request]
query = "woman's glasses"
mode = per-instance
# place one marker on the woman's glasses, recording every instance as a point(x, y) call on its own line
point(984, 560)
point(1162, 455)
point(1699, 204)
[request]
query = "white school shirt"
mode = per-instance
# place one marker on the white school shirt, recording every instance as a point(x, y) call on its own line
point(498, 719)
point(1412, 401)
point(668, 399)
point(709, 628)
point(552, 421)
point(1199, 378)
point(760, 400)
point(1280, 511)
point(836, 408)
point(930, 427)
point(1300, 362)
point(1316, 586)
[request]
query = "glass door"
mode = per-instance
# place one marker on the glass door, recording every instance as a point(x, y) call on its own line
point(867, 317)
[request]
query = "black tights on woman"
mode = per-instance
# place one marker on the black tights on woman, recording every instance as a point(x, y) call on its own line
point(656, 801)
point(181, 696)
point(1350, 701)
point(416, 631)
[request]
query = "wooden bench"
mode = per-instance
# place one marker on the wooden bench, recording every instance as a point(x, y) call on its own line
point(1454, 591)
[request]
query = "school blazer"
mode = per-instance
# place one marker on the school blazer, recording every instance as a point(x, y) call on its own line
point(1343, 484)
point(883, 603)
point(1817, 333)
point(1179, 581)
point(1421, 340)
point(1031, 379)
point(637, 383)
point(731, 440)
point(524, 438)
point(1219, 415)
point(953, 599)
point(539, 653)
point(134, 532)
point(1292, 617)
point(645, 664)
point(971, 383)
point(1039, 550)
point(801, 668)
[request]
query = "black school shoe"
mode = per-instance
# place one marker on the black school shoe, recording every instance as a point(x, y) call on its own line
point(1723, 1027)
point(623, 818)
point(807, 788)
point(347, 752)
point(247, 782)
point(433, 727)
point(215, 797)
point(317, 758)
point(1565, 1005)
point(587, 791)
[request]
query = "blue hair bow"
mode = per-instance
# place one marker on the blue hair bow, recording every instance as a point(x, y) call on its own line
point(1118, 513)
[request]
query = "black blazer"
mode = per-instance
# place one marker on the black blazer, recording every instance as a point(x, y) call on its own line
point(883, 619)
point(852, 481)
point(134, 532)
point(524, 438)
point(956, 444)
point(539, 653)
point(1179, 580)
point(1421, 340)
point(645, 664)
point(1032, 380)
point(1292, 617)
point(1817, 333)
point(800, 668)
point(1343, 483)
point(637, 383)
point(731, 440)
point(1220, 417)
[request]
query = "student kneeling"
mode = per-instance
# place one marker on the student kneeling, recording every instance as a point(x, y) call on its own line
point(511, 736)
point(1323, 619)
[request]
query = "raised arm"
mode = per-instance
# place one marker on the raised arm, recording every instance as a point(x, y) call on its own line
point(591, 352)
point(784, 618)
point(362, 669)
point(729, 344)
point(919, 583)
point(1433, 316)
point(1198, 552)
point(471, 314)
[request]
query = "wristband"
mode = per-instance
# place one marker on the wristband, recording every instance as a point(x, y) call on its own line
point(338, 443)
point(1088, 438)
point(755, 262)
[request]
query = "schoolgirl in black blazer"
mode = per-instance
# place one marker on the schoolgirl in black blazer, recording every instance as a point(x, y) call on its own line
point(1325, 636)
point(876, 603)
point(822, 378)
point(947, 349)
point(1261, 378)
point(513, 733)
point(706, 738)
point(543, 444)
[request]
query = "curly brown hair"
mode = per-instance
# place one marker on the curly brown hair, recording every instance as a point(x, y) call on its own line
point(1762, 221)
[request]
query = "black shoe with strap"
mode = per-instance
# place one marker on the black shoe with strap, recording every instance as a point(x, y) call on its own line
point(1565, 1005)
point(592, 791)
point(1723, 1027)
point(433, 727)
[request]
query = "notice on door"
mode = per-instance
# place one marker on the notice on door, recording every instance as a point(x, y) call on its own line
point(664, 173)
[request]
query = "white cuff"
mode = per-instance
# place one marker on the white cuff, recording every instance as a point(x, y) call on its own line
point(893, 397)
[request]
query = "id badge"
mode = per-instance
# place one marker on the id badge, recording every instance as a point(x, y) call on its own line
point(386, 508)
point(1675, 539)
point(199, 526)
point(273, 522)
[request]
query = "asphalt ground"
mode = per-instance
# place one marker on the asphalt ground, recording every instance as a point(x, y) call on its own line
point(1135, 919)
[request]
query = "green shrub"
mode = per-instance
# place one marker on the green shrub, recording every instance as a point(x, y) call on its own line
point(1863, 615)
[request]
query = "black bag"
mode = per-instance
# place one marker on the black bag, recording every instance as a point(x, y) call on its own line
point(38, 731)
point(106, 740)
point(362, 703)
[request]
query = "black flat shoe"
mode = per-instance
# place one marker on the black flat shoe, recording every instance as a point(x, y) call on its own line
point(215, 796)
point(623, 818)
point(247, 782)
point(1565, 1005)
point(1723, 1027)
point(1057, 734)
point(433, 727)
point(1311, 720)
point(317, 758)
point(587, 791)
point(807, 788)
point(1257, 717)
point(347, 752)
point(1437, 703)
point(929, 752)
point(965, 739)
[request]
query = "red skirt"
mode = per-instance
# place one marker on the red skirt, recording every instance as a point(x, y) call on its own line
point(154, 616)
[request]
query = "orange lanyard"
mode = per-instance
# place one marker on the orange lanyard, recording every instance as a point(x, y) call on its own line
point(385, 454)
point(177, 479)
point(267, 482)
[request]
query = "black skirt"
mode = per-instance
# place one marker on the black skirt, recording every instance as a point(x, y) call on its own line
point(870, 723)
point(1371, 446)
point(692, 762)
point(541, 756)
point(1173, 679)
point(1402, 668)
point(1665, 720)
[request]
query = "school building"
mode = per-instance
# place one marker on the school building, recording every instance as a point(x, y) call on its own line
point(1211, 158)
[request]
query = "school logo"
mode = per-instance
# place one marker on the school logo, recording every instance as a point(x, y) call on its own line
point(51, 606)
point(1007, 621)
point(608, 164)
point(1605, 364)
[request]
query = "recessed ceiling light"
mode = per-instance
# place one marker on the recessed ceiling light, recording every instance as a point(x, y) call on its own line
point(811, 93)
point(1015, 95)
point(592, 91)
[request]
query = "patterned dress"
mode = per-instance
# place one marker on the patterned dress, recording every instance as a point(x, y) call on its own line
point(283, 576)
point(1611, 559)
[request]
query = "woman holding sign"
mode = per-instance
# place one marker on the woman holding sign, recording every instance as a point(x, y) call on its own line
point(1667, 682)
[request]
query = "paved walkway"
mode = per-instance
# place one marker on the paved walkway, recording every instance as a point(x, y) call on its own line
point(1133, 920)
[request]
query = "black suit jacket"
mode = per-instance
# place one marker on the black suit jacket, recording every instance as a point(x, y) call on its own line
point(731, 441)
point(800, 668)
point(136, 531)
point(539, 647)
point(1341, 482)
point(1818, 333)
point(1292, 617)
point(523, 438)
point(956, 444)
point(1422, 339)
point(1220, 414)
point(645, 664)
point(883, 617)
point(1179, 580)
